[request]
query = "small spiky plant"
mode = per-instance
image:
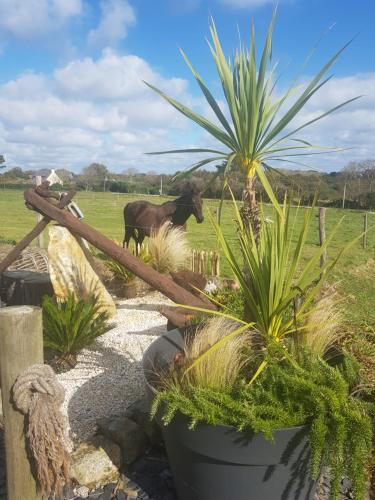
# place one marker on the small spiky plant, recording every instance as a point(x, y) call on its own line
point(168, 249)
point(71, 325)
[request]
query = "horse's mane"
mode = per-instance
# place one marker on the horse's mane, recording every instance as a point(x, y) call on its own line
point(187, 194)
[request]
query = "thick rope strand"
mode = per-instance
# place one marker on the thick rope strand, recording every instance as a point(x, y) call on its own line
point(38, 395)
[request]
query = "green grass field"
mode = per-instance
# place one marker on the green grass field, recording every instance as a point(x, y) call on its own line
point(354, 275)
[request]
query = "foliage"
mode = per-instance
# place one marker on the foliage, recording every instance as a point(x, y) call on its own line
point(6, 241)
point(255, 132)
point(285, 380)
point(119, 271)
point(323, 324)
point(362, 346)
point(231, 301)
point(359, 184)
point(290, 392)
point(278, 296)
point(222, 369)
point(73, 324)
point(168, 249)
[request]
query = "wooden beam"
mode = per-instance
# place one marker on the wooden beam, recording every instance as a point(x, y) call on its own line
point(160, 282)
point(25, 242)
point(21, 345)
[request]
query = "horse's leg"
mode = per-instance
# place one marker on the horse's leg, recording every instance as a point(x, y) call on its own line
point(127, 237)
point(139, 241)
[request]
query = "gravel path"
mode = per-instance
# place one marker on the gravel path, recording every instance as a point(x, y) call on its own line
point(108, 376)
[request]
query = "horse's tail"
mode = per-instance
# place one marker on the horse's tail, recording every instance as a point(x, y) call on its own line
point(127, 224)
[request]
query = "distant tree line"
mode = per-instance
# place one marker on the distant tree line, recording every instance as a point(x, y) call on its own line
point(352, 187)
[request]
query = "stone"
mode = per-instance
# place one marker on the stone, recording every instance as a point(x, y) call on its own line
point(132, 440)
point(70, 271)
point(108, 492)
point(82, 492)
point(139, 412)
point(95, 463)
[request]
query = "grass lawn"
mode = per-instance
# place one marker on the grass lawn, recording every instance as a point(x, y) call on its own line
point(354, 275)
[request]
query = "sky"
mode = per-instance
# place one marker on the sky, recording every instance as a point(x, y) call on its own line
point(72, 71)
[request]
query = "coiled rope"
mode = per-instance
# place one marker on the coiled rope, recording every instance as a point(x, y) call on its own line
point(38, 395)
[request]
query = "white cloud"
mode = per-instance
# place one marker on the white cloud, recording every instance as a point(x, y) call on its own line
point(112, 77)
point(90, 110)
point(352, 126)
point(117, 17)
point(34, 18)
point(100, 110)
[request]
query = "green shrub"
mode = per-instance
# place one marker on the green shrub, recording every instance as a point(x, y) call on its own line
point(288, 393)
point(6, 241)
point(73, 324)
point(289, 377)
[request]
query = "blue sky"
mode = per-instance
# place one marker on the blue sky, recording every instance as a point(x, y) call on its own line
point(71, 73)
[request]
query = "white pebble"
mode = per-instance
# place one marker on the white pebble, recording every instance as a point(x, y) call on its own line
point(108, 376)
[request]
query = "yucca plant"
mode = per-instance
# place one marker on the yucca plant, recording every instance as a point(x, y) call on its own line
point(281, 285)
point(253, 129)
point(72, 324)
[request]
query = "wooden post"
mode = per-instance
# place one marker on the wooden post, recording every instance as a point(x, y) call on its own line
point(365, 228)
point(21, 345)
point(322, 234)
point(344, 196)
point(39, 217)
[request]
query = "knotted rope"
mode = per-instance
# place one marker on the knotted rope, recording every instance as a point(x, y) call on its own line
point(38, 395)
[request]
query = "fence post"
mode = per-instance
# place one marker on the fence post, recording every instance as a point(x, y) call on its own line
point(39, 217)
point(21, 345)
point(322, 234)
point(365, 228)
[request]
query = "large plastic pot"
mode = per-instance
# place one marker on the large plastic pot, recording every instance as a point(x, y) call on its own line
point(219, 463)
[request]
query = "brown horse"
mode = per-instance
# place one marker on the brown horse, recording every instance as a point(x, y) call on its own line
point(141, 217)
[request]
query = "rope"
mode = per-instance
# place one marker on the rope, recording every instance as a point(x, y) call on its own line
point(38, 395)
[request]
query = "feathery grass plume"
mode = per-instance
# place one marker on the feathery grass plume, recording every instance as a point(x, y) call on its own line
point(223, 366)
point(168, 249)
point(323, 326)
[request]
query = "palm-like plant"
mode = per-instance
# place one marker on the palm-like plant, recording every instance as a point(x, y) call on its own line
point(253, 131)
point(280, 285)
point(72, 324)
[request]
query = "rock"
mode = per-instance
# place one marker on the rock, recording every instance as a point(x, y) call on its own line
point(82, 492)
point(70, 271)
point(132, 440)
point(108, 492)
point(96, 462)
point(139, 412)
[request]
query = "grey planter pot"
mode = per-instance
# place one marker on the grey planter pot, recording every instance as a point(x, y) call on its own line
point(219, 463)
